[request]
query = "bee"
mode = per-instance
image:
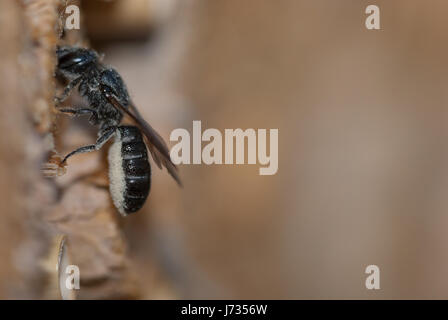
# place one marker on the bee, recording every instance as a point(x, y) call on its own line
point(108, 102)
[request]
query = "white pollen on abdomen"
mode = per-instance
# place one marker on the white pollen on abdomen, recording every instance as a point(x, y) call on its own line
point(117, 183)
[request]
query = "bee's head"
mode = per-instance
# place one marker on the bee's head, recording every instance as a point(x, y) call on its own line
point(75, 61)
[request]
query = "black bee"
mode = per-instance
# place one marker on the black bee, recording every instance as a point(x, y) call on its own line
point(108, 98)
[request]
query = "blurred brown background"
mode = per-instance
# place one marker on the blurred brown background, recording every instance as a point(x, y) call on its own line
point(363, 157)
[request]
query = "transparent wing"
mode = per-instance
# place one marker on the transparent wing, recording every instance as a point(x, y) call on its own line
point(156, 145)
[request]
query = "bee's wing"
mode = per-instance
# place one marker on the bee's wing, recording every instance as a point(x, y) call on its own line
point(157, 147)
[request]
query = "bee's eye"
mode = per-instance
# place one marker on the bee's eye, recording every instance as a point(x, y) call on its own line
point(69, 60)
point(78, 60)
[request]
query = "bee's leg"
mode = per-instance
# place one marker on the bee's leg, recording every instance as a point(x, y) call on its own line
point(67, 90)
point(82, 111)
point(106, 135)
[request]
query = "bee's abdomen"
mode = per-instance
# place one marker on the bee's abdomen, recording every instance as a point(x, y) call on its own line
point(130, 172)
